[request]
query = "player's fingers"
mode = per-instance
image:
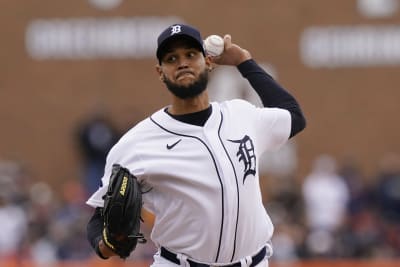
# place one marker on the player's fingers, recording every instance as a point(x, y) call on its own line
point(214, 61)
point(227, 41)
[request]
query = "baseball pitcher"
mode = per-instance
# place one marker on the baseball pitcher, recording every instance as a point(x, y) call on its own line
point(194, 164)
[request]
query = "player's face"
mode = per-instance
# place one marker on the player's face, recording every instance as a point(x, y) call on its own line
point(184, 69)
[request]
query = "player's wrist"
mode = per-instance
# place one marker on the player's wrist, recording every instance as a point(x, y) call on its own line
point(245, 55)
point(104, 251)
point(99, 253)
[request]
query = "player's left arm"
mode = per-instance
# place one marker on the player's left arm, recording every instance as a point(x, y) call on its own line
point(271, 93)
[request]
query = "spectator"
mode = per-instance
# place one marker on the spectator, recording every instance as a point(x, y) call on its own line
point(69, 223)
point(43, 204)
point(95, 138)
point(13, 219)
point(361, 234)
point(326, 197)
point(388, 201)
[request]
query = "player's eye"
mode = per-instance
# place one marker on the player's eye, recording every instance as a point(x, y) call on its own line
point(191, 54)
point(170, 58)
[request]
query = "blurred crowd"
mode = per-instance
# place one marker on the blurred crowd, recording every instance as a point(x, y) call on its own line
point(42, 225)
point(333, 212)
point(45, 225)
point(336, 212)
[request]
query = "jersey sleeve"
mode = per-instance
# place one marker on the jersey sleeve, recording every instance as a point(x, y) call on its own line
point(273, 127)
point(270, 126)
point(96, 200)
point(117, 155)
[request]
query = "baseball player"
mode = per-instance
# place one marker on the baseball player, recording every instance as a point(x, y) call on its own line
point(199, 159)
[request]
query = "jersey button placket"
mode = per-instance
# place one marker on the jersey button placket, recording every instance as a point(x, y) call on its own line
point(230, 195)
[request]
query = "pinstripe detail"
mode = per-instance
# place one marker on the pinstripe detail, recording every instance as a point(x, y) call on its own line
point(237, 187)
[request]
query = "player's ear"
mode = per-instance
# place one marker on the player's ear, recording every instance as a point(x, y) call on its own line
point(209, 64)
point(160, 72)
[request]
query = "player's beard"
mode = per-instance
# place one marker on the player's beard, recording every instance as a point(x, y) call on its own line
point(188, 91)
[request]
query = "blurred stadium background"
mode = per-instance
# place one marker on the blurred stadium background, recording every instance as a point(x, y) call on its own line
point(76, 74)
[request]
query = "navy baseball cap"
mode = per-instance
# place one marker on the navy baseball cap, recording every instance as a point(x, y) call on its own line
point(178, 31)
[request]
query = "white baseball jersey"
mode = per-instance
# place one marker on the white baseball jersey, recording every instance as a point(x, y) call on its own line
point(204, 181)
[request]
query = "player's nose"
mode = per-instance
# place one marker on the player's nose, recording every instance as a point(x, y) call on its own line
point(183, 63)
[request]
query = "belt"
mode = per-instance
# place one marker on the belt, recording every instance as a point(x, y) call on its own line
point(256, 259)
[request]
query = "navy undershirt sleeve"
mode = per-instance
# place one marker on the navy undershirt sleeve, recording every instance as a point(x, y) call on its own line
point(94, 229)
point(272, 94)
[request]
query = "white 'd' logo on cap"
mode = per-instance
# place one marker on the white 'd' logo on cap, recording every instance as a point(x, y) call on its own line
point(175, 29)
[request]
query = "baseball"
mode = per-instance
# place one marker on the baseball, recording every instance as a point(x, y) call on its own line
point(214, 45)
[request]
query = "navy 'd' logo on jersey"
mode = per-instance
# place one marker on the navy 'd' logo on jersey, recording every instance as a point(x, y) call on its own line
point(246, 154)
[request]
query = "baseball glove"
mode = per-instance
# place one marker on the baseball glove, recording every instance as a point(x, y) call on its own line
point(121, 212)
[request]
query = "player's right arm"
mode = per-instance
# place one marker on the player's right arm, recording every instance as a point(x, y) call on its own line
point(94, 232)
point(95, 226)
